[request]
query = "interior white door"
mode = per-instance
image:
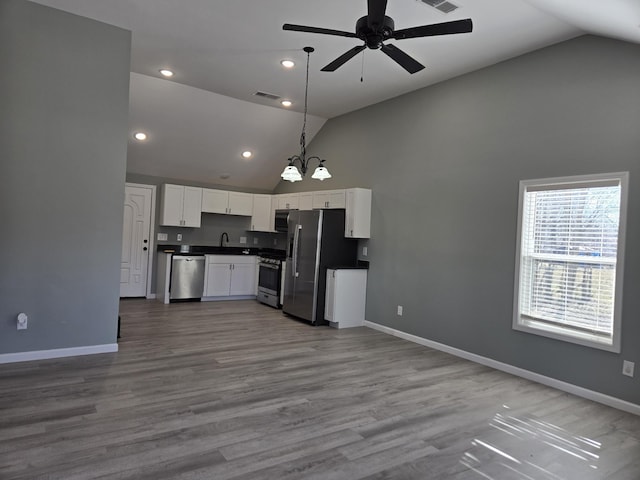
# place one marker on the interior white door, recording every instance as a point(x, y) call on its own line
point(135, 241)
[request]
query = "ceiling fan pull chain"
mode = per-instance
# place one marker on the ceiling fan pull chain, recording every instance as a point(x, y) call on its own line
point(362, 69)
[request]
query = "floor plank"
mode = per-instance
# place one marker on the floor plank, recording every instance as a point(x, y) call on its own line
point(237, 390)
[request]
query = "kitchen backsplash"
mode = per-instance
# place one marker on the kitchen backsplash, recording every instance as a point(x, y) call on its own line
point(212, 227)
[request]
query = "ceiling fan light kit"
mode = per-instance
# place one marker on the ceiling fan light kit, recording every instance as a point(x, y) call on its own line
point(375, 28)
point(291, 172)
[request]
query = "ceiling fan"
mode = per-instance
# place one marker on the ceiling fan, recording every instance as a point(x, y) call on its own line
point(375, 27)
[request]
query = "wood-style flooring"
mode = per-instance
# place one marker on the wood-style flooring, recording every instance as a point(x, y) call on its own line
point(236, 390)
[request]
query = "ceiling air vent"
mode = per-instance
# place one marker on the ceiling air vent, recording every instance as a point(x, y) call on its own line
point(270, 96)
point(442, 5)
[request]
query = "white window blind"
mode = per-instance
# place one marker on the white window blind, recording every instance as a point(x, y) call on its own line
point(568, 258)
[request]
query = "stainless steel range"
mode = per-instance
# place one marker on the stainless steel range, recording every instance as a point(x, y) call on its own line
point(270, 279)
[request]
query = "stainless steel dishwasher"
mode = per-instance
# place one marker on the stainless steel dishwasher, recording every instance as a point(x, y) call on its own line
point(187, 277)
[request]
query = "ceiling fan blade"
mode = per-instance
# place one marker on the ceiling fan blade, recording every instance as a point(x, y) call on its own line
point(446, 28)
point(402, 59)
point(344, 58)
point(376, 10)
point(324, 31)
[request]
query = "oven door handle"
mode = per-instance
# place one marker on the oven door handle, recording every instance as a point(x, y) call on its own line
point(269, 265)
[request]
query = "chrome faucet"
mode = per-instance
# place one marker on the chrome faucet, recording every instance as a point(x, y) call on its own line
point(224, 234)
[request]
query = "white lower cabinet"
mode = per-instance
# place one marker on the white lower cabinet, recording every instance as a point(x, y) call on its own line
point(230, 275)
point(345, 297)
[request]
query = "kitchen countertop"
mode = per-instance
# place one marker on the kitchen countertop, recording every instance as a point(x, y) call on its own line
point(217, 250)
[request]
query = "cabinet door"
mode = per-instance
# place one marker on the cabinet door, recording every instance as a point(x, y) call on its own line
point(243, 278)
point(192, 207)
point(330, 296)
point(320, 199)
point(305, 201)
point(240, 204)
point(329, 199)
point(358, 213)
point(337, 199)
point(172, 205)
point(218, 279)
point(261, 218)
point(288, 201)
point(215, 201)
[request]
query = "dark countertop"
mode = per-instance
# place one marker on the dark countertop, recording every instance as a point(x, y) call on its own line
point(216, 250)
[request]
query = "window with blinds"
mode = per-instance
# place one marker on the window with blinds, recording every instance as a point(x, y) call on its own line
point(569, 258)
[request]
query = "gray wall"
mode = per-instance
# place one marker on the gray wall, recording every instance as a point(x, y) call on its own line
point(64, 94)
point(444, 164)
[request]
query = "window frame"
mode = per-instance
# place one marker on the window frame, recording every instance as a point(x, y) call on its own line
point(558, 332)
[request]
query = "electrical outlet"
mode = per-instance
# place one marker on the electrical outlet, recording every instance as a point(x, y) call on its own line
point(22, 321)
point(399, 310)
point(628, 368)
point(179, 237)
point(243, 239)
point(364, 251)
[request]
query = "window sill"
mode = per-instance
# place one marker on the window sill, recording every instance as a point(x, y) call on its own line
point(558, 333)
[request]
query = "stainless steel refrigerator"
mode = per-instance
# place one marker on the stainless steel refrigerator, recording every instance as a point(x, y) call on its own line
point(315, 242)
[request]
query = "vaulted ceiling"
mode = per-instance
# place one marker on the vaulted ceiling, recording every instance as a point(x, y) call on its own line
point(223, 52)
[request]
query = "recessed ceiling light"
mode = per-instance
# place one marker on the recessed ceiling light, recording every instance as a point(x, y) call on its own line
point(286, 103)
point(247, 154)
point(140, 136)
point(287, 63)
point(166, 72)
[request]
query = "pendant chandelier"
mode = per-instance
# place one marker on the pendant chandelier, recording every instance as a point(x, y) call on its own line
point(291, 172)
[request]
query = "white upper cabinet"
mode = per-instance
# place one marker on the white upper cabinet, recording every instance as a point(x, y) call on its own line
point(240, 204)
point(358, 213)
point(262, 217)
point(215, 201)
point(225, 202)
point(287, 201)
point(329, 199)
point(181, 206)
point(305, 201)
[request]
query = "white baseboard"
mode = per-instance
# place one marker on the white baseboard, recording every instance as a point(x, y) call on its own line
point(151, 296)
point(520, 372)
point(57, 353)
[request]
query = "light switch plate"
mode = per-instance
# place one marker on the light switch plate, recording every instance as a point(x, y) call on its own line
point(243, 239)
point(364, 251)
point(163, 237)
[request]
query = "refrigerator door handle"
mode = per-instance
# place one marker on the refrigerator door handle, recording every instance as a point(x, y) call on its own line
point(296, 247)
